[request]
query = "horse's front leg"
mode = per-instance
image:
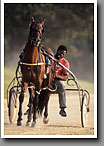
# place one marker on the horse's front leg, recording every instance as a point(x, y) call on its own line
point(35, 105)
point(21, 99)
point(32, 96)
point(45, 119)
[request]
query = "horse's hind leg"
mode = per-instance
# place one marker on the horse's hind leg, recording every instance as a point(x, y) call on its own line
point(21, 99)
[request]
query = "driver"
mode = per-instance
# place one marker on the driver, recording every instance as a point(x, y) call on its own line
point(61, 75)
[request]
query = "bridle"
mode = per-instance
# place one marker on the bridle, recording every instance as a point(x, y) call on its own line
point(35, 32)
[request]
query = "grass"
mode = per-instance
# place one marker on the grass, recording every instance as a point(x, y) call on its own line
point(9, 74)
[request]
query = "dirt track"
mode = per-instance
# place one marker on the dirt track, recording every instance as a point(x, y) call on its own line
point(57, 125)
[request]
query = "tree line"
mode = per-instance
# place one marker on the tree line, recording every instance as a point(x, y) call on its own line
point(71, 24)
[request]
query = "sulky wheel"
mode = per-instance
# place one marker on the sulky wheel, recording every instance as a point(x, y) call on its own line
point(12, 104)
point(84, 110)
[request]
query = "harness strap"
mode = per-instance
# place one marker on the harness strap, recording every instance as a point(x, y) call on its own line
point(33, 64)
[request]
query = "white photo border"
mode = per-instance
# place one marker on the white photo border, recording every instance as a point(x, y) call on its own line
point(95, 69)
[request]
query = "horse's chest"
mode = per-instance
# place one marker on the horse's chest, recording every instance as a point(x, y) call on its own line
point(31, 72)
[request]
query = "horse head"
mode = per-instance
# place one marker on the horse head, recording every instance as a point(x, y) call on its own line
point(36, 31)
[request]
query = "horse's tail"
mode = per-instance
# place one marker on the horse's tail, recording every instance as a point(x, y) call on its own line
point(43, 101)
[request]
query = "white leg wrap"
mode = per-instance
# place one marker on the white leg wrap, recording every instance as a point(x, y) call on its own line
point(37, 92)
point(45, 76)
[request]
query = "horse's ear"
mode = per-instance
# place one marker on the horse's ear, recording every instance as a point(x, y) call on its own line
point(32, 19)
point(43, 21)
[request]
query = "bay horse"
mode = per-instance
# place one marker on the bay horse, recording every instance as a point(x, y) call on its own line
point(33, 70)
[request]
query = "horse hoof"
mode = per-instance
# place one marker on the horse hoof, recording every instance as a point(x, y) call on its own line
point(33, 124)
point(27, 123)
point(19, 123)
point(45, 120)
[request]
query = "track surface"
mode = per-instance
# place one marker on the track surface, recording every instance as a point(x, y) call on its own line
point(57, 125)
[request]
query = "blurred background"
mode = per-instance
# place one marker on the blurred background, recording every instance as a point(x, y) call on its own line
point(68, 24)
